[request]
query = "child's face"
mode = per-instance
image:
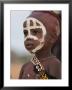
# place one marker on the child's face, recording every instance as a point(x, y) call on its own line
point(34, 32)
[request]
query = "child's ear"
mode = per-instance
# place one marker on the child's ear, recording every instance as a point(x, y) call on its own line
point(51, 40)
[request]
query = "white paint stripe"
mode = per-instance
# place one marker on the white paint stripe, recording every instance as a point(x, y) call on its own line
point(38, 47)
point(32, 27)
point(34, 21)
point(34, 37)
point(31, 37)
point(35, 26)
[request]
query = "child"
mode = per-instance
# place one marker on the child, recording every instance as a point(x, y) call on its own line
point(41, 30)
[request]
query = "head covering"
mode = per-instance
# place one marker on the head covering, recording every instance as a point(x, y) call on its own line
point(50, 20)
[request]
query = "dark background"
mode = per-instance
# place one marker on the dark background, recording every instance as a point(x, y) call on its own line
point(1, 32)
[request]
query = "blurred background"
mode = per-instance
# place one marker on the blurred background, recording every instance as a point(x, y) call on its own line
point(19, 55)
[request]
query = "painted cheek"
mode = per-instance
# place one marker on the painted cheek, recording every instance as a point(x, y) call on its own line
point(31, 37)
point(40, 36)
point(36, 42)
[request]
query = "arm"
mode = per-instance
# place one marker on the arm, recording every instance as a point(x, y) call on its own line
point(21, 72)
point(55, 69)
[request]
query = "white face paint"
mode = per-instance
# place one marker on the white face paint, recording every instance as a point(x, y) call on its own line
point(28, 27)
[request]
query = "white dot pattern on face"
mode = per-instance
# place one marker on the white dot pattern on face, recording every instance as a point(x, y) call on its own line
point(32, 36)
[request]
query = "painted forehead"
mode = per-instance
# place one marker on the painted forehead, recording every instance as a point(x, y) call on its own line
point(33, 23)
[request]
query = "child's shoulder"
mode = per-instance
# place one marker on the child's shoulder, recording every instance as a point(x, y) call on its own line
point(25, 68)
point(54, 60)
point(55, 67)
point(27, 65)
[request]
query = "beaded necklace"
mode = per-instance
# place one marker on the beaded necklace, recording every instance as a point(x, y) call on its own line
point(39, 67)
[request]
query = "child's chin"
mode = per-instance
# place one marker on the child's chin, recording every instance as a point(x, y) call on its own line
point(29, 50)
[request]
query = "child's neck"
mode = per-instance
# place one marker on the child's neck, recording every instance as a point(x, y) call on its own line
point(43, 54)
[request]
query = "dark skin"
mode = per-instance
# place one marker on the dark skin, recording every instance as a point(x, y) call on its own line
point(46, 50)
point(29, 42)
point(51, 65)
point(41, 54)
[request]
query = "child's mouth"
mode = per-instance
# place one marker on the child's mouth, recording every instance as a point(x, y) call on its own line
point(29, 46)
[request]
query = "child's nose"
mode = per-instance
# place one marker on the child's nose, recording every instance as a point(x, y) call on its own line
point(28, 39)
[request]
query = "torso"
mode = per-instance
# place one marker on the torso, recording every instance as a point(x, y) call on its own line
point(51, 65)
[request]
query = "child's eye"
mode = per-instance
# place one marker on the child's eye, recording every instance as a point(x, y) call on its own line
point(25, 32)
point(34, 32)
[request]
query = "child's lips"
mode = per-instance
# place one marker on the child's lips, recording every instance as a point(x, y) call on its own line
point(29, 46)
